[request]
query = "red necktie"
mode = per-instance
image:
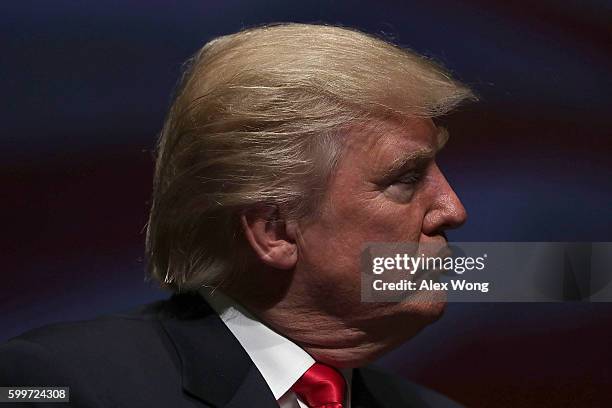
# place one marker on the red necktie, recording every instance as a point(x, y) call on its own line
point(321, 387)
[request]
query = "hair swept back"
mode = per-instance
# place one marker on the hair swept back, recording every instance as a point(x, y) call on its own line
point(256, 119)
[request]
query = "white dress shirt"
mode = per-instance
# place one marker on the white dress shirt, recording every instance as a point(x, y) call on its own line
point(280, 361)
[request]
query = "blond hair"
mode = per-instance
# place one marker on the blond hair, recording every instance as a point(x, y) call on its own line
point(257, 119)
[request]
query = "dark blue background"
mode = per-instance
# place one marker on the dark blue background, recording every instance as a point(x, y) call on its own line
point(85, 86)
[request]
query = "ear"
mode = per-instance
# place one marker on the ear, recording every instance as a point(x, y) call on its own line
point(268, 236)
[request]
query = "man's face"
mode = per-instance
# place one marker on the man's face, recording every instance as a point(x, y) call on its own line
point(387, 188)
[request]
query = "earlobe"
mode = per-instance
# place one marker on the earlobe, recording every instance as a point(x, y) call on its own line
point(267, 235)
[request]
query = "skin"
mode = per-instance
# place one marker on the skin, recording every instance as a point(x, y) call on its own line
point(386, 188)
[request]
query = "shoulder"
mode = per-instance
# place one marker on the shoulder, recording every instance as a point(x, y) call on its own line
point(98, 359)
point(102, 336)
point(386, 386)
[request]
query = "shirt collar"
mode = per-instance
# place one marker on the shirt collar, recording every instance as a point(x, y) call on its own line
point(280, 361)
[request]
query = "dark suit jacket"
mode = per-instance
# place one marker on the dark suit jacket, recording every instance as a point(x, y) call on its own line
point(172, 353)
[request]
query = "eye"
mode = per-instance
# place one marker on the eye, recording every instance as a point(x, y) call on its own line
point(409, 179)
point(402, 188)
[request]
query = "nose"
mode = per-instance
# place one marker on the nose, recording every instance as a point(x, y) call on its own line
point(446, 210)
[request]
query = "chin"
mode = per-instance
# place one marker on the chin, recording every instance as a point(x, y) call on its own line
point(433, 311)
point(412, 317)
point(428, 305)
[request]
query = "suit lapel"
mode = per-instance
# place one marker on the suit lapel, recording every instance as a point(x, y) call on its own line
point(215, 367)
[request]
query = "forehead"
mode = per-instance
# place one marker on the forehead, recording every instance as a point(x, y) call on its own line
point(380, 144)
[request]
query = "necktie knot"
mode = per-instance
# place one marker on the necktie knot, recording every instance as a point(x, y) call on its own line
point(321, 386)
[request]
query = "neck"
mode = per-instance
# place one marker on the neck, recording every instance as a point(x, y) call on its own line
point(331, 328)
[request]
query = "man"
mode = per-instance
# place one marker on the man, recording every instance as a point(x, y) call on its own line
point(286, 148)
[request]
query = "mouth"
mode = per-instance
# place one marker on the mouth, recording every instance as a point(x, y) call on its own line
point(438, 250)
point(428, 274)
point(445, 251)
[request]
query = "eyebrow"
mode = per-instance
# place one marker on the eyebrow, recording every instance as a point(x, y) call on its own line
point(417, 157)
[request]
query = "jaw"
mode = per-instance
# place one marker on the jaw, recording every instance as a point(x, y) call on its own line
point(360, 342)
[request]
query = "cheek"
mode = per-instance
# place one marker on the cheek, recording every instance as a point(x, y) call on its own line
point(337, 238)
point(396, 222)
point(379, 219)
